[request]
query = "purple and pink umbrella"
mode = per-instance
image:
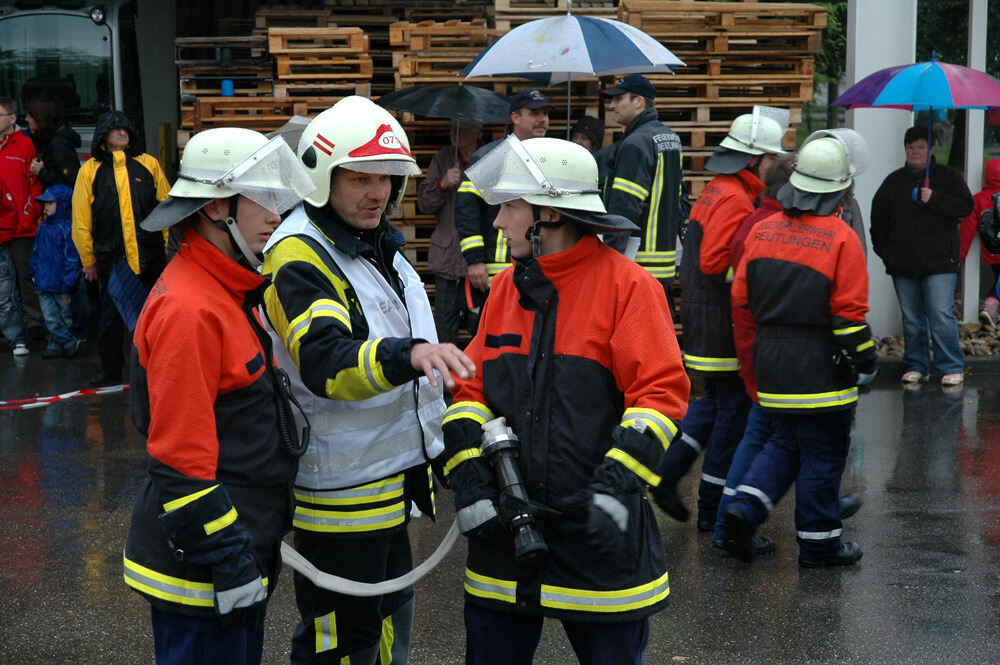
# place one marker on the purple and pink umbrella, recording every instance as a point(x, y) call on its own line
point(924, 86)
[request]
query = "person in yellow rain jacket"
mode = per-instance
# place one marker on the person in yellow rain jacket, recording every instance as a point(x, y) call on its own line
point(115, 190)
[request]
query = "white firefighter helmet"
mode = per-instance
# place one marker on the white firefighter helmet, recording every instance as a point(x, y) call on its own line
point(758, 132)
point(359, 135)
point(829, 160)
point(226, 161)
point(545, 172)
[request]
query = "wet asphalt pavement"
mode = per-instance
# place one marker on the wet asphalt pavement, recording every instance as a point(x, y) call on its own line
point(926, 591)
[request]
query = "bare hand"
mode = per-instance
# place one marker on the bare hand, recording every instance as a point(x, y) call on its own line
point(37, 165)
point(479, 276)
point(90, 273)
point(925, 194)
point(443, 358)
point(451, 177)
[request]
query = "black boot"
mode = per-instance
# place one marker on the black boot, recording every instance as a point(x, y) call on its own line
point(739, 535)
point(850, 504)
point(104, 378)
point(848, 555)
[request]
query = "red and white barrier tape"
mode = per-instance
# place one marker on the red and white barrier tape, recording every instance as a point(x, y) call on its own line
point(37, 402)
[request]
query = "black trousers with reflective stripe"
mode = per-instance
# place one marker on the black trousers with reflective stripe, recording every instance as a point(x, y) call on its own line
point(357, 621)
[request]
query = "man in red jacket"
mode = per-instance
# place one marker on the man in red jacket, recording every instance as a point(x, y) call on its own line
point(18, 209)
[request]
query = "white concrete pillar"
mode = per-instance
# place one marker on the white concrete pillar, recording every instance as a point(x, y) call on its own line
point(974, 156)
point(880, 34)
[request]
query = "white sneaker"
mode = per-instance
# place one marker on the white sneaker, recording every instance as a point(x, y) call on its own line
point(952, 379)
point(20, 349)
point(914, 376)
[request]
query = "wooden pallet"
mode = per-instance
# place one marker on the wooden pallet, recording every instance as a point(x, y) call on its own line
point(220, 52)
point(261, 113)
point(252, 84)
point(435, 34)
point(317, 41)
point(266, 18)
point(322, 68)
point(328, 89)
point(657, 15)
point(687, 45)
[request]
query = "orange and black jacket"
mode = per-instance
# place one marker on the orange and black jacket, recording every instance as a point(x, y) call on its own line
point(706, 272)
point(115, 191)
point(806, 284)
point(574, 349)
point(204, 400)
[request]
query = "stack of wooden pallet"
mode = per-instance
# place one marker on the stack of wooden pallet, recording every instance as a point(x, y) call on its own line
point(320, 62)
point(207, 64)
point(737, 54)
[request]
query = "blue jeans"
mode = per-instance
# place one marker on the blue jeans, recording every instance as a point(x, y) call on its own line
point(759, 430)
point(58, 313)
point(11, 321)
point(179, 639)
point(927, 303)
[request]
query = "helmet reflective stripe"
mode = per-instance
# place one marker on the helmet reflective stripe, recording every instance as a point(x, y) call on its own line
point(758, 132)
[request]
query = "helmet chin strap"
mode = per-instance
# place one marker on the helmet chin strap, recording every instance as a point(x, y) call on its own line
point(534, 233)
point(236, 239)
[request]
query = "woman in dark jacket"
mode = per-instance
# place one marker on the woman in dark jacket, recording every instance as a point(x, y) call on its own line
point(56, 143)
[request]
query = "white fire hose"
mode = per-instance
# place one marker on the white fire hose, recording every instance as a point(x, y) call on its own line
point(352, 588)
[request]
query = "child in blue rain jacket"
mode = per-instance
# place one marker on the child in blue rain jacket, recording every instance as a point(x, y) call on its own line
point(55, 268)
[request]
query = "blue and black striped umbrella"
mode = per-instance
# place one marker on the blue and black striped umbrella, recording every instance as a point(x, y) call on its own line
point(565, 48)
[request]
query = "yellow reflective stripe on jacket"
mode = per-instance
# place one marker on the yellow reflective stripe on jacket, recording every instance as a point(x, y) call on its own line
point(221, 523)
point(368, 371)
point(635, 466)
point(808, 400)
point(864, 345)
point(476, 411)
point(374, 492)
point(630, 187)
point(661, 265)
point(490, 587)
point(185, 500)
point(730, 273)
point(850, 330)
point(663, 427)
point(500, 249)
point(299, 326)
point(468, 188)
point(653, 218)
point(624, 600)
point(706, 364)
point(472, 242)
point(460, 457)
point(342, 521)
point(166, 587)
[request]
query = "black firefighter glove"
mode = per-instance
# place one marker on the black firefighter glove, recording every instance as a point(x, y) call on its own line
point(205, 531)
point(476, 498)
point(605, 514)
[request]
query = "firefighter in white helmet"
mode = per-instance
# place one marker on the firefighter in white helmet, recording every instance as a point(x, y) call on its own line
point(715, 422)
point(578, 355)
point(353, 326)
point(803, 278)
point(207, 524)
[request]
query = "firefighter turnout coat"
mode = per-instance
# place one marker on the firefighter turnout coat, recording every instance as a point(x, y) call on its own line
point(706, 272)
point(573, 349)
point(204, 399)
point(645, 186)
point(806, 284)
point(478, 240)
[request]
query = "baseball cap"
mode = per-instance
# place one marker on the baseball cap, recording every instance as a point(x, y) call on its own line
point(529, 98)
point(46, 196)
point(637, 84)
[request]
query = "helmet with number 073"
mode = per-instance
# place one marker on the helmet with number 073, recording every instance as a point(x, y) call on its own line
point(359, 135)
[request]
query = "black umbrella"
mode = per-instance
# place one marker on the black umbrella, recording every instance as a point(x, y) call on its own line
point(450, 101)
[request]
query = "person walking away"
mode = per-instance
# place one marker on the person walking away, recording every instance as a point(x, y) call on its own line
point(115, 190)
point(969, 227)
point(55, 270)
point(203, 544)
point(353, 328)
point(483, 247)
point(19, 213)
point(579, 360)
point(716, 421)
point(436, 194)
point(915, 230)
point(804, 280)
point(645, 181)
